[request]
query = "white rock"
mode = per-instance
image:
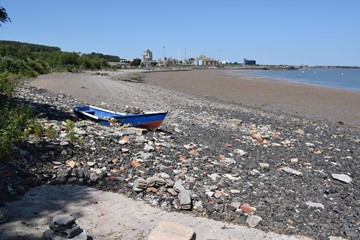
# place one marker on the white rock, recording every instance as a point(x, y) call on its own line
point(90, 164)
point(264, 165)
point(292, 171)
point(229, 176)
point(210, 194)
point(148, 148)
point(253, 220)
point(240, 152)
point(342, 177)
point(314, 204)
point(215, 177)
point(234, 191)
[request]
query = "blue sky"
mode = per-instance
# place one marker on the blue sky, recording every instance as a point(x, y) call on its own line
point(320, 32)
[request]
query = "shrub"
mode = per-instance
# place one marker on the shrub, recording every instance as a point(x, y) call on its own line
point(34, 127)
point(7, 83)
point(13, 121)
point(16, 66)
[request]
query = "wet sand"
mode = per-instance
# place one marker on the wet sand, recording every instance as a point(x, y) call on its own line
point(308, 101)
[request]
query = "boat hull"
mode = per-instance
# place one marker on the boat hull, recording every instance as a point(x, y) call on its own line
point(150, 120)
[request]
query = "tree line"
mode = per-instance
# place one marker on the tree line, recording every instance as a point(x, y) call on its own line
point(24, 60)
point(17, 57)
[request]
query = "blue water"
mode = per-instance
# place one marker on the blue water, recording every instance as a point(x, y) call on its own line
point(339, 78)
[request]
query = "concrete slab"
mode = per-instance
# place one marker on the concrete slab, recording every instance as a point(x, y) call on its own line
point(171, 230)
point(106, 215)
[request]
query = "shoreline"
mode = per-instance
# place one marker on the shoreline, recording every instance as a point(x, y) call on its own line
point(223, 154)
point(302, 100)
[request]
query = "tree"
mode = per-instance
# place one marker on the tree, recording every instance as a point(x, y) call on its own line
point(135, 62)
point(3, 16)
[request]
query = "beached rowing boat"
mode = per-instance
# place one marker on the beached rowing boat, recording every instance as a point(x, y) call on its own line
point(149, 120)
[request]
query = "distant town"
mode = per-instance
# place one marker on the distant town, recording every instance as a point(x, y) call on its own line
point(147, 61)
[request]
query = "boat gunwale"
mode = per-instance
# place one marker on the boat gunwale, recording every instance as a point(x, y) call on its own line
point(78, 110)
point(125, 114)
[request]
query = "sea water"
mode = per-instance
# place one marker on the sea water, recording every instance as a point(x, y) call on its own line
point(340, 78)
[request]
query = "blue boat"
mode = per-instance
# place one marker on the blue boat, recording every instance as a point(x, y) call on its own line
point(149, 120)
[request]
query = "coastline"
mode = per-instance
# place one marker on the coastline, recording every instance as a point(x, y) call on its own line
point(303, 100)
point(226, 155)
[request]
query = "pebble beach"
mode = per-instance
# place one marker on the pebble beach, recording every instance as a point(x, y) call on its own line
point(270, 155)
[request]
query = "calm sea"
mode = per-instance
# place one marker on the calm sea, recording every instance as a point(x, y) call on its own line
point(340, 78)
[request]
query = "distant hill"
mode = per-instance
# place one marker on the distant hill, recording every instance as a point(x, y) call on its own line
point(32, 47)
point(43, 48)
point(108, 58)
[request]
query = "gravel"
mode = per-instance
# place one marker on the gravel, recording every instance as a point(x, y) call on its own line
point(227, 162)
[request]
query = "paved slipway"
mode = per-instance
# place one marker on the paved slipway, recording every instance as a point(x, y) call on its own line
point(106, 215)
point(213, 166)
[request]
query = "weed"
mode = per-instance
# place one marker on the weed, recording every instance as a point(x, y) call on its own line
point(71, 135)
point(69, 125)
point(50, 132)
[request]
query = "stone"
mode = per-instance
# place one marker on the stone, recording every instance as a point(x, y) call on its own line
point(63, 226)
point(231, 207)
point(245, 207)
point(342, 178)
point(91, 164)
point(264, 165)
point(71, 163)
point(253, 220)
point(148, 148)
point(93, 177)
point(314, 204)
point(232, 178)
point(292, 171)
point(135, 163)
point(151, 189)
point(178, 186)
point(64, 143)
point(185, 199)
point(209, 193)
point(240, 152)
point(198, 206)
point(235, 122)
point(155, 181)
point(235, 191)
point(218, 194)
point(169, 182)
point(171, 230)
point(140, 183)
point(257, 136)
point(214, 177)
point(309, 144)
point(164, 175)
point(228, 161)
point(123, 142)
point(172, 191)
point(115, 161)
